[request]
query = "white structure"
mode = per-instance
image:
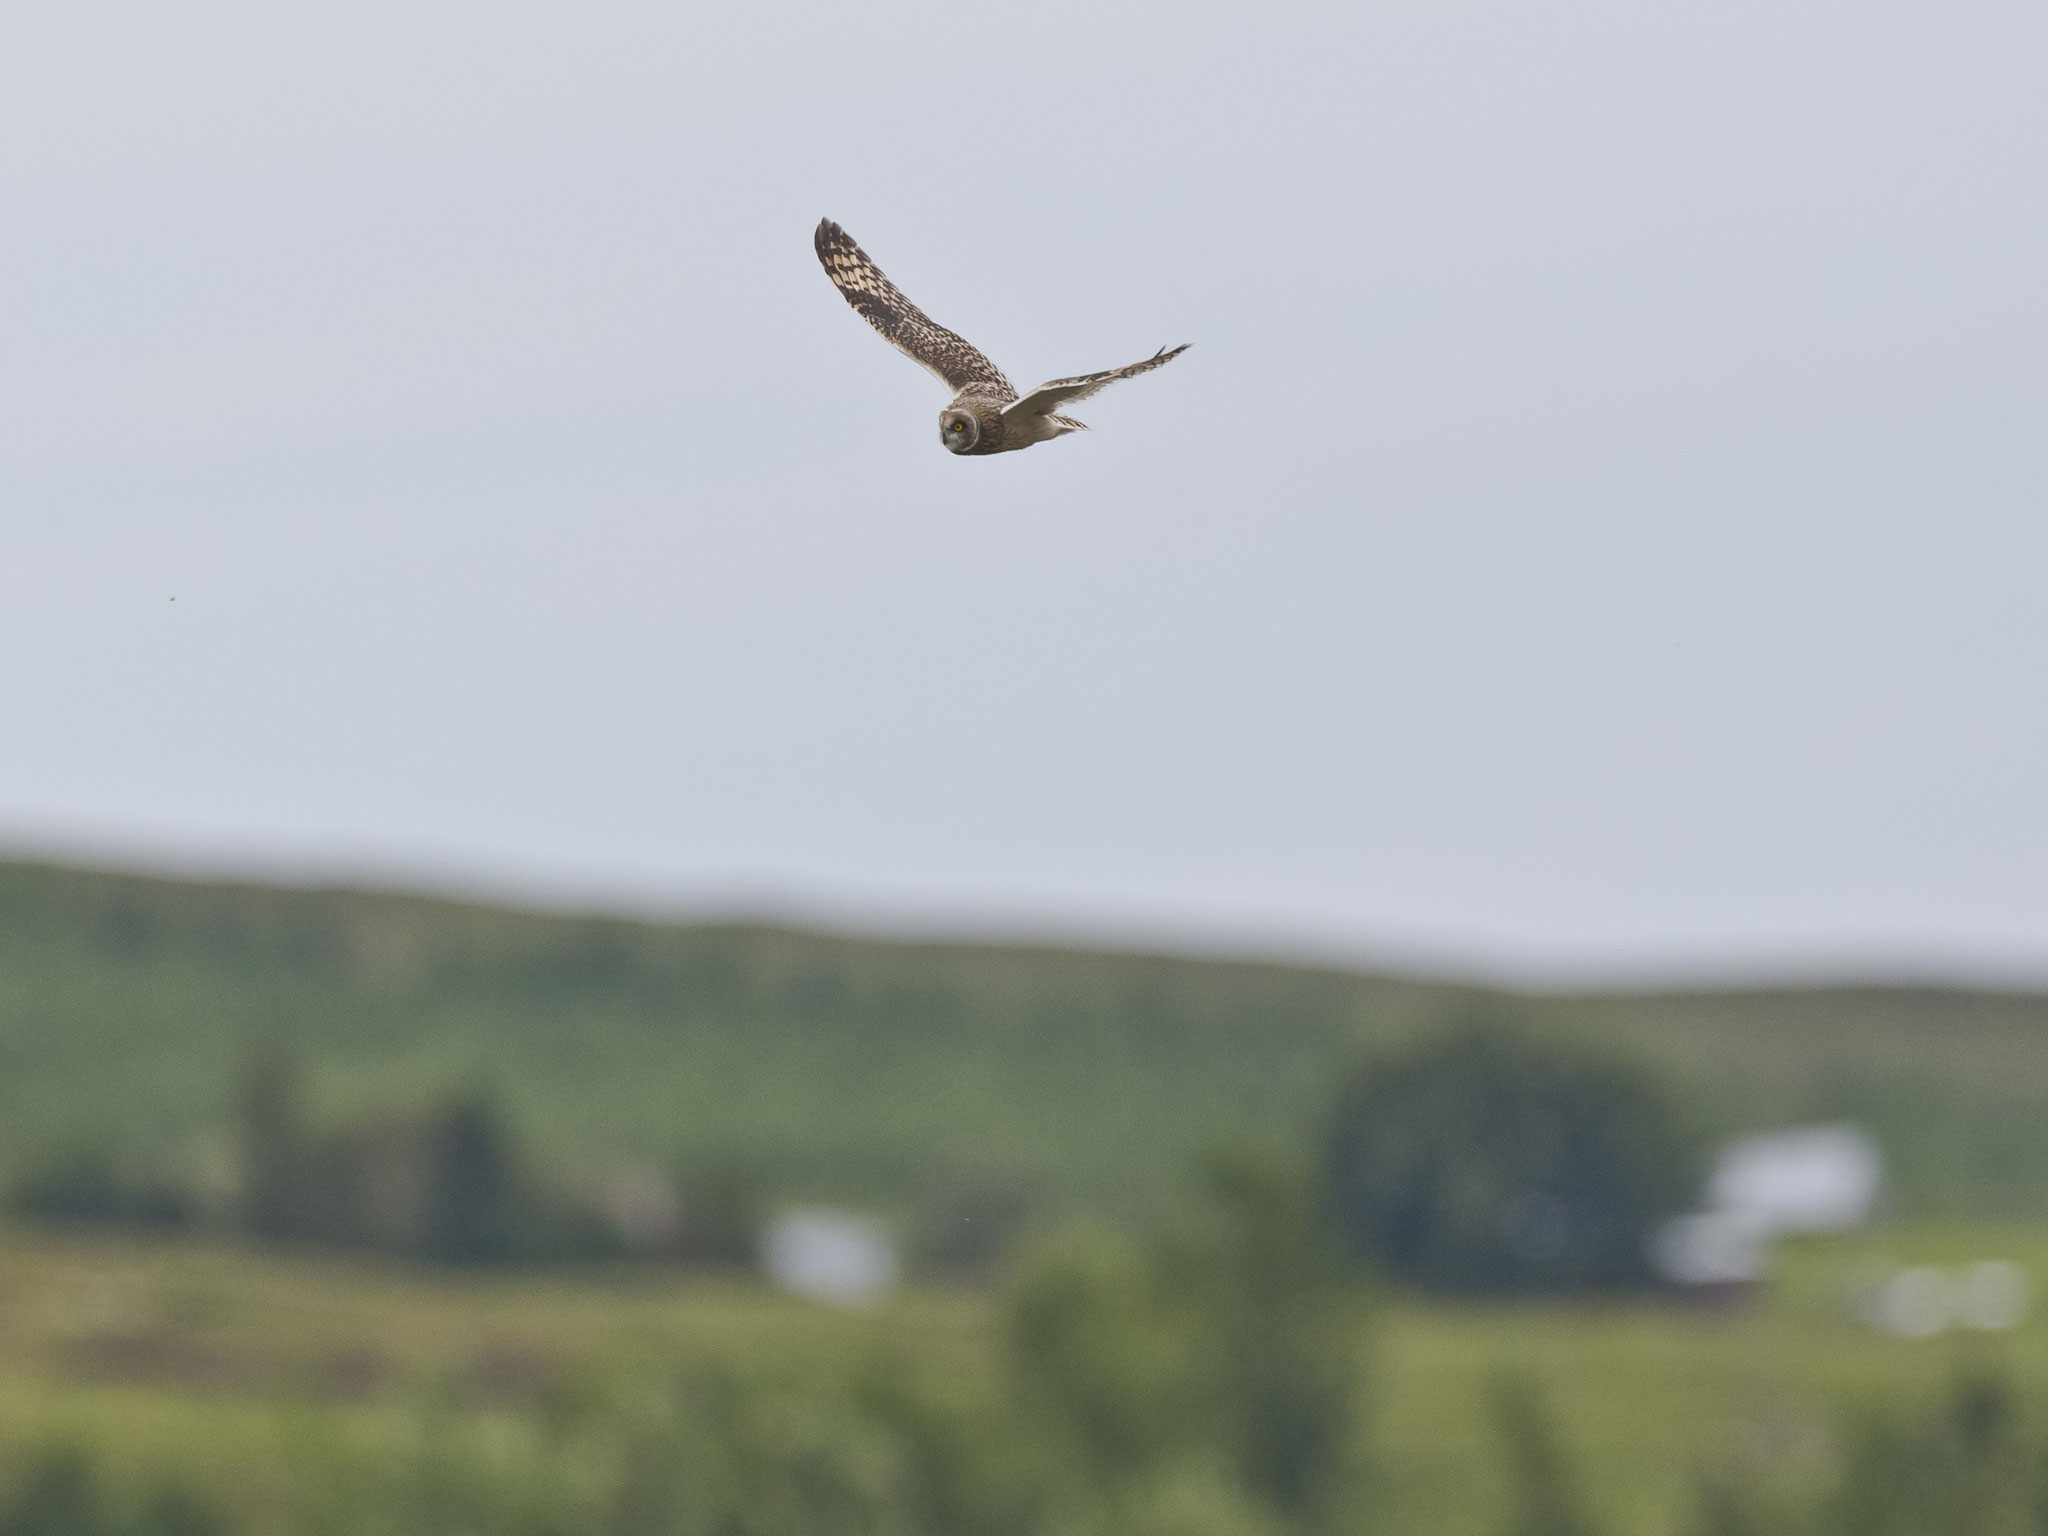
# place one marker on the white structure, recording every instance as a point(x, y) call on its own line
point(1826, 1178)
point(1718, 1248)
point(831, 1256)
point(1822, 1178)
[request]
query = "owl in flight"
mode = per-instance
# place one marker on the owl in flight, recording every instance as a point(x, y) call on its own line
point(986, 415)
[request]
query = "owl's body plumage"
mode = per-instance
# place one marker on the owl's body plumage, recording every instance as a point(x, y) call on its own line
point(986, 414)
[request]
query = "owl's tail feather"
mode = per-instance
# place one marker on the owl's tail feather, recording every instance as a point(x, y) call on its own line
point(1070, 424)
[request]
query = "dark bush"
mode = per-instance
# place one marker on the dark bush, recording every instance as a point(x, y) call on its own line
point(478, 1207)
point(89, 1188)
point(275, 1152)
point(1231, 1347)
point(969, 1228)
point(58, 1495)
point(1490, 1160)
point(722, 1216)
point(62, 1492)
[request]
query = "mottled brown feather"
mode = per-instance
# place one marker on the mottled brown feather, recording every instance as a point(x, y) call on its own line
point(958, 363)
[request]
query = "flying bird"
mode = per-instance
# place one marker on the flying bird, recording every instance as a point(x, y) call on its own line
point(986, 414)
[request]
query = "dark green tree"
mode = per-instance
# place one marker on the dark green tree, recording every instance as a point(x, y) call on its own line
point(1281, 1319)
point(968, 1228)
point(476, 1204)
point(1970, 1468)
point(87, 1187)
point(275, 1199)
point(1213, 1374)
point(58, 1495)
point(1105, 1363)
point(721, 1215)
point(83, 1186)
point(1492, 1160)
point(175, 1510)
point(1727, 1506)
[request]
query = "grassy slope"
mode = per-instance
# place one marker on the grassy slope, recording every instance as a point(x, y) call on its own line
point(872, 1069)
point(219, 1363)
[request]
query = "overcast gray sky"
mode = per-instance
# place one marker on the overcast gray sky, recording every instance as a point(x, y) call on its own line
point(1599, 527)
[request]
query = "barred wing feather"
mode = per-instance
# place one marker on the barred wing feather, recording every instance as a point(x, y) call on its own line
point(957, 362)
point(1057, 392)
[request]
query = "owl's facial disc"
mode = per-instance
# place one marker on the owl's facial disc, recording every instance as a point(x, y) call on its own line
point(958, 430)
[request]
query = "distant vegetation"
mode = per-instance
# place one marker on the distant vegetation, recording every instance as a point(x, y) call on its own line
point(315, 1074)
point(1487, 1161)
point(1225, 1374)
point(1202, 1380)
point(1484, 1160)
point(1974, 1464)
point(448, 1183)
point(925, 1078)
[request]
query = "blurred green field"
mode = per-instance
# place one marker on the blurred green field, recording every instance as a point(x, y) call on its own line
point(226, 1364)
point(888, 1074)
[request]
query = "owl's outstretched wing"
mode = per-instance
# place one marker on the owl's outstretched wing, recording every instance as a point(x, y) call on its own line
point(1057, 392)
point(957, 362)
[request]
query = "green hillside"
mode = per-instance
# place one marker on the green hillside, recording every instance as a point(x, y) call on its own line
point(881, 1070)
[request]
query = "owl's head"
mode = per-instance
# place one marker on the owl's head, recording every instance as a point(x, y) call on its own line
point(959, 430)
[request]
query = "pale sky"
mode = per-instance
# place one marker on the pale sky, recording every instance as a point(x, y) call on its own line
point(1600, 528)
